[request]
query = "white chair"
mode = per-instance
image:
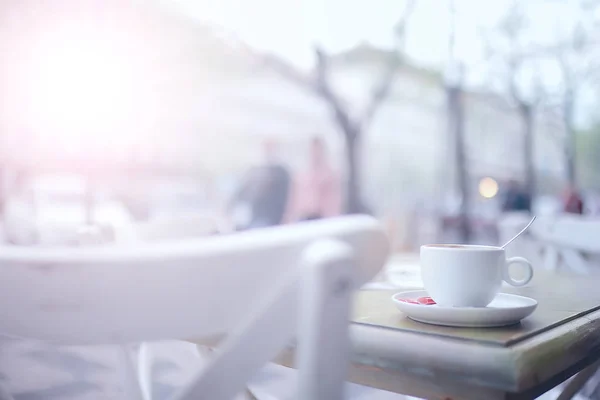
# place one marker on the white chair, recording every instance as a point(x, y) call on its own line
point(260, 288)
point(169, 228)
point(569, 241)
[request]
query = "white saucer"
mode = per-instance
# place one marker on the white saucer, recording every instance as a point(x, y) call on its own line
point(505, 309)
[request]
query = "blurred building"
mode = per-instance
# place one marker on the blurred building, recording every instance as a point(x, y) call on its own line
point(408, 153)
point(195, 100)
point(183, 97)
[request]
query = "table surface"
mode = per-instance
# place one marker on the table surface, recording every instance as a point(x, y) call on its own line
point(394, 353)
point(522, 361)
point(561, 298)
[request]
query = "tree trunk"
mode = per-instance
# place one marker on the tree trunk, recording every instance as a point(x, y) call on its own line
point(353, 195)
point(526, 112)
point(456, 128)
point(570, 152)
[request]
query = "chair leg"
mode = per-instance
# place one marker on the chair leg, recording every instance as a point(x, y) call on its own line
point(324, 343)
point(226, 373)
point(575, 261)
point(551, 258)
point(131, 384)
point(323, 350)
point(577, 383)
point(145, 370)
point(206, 353)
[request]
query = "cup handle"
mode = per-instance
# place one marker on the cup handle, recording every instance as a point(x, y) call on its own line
point(522, 261)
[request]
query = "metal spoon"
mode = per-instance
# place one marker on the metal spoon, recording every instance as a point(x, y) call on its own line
point(519, 234)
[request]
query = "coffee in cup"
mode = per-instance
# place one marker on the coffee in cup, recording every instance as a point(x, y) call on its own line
point(467, 275)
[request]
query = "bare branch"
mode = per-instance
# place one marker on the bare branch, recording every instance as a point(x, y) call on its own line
point(513, 68)
point(512, 26)
point(325, 90)
point(382, 91)
point(400, 26)
point(288, 72)
point(515, 57)
point(317, 85)
point(320, 84)
point(384, 87)
point(539, 92)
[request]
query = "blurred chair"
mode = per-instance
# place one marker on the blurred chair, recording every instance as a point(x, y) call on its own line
point(560, 241)
point(568, 241)
point(260, 288)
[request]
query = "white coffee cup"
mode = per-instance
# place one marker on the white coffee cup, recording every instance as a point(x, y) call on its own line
point(467, 275)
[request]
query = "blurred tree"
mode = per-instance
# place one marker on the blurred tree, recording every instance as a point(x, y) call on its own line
point(587, 143)
point(508, 47)
point(577, 62)
point(456, 129)
point(352, 128)
point(571, 50)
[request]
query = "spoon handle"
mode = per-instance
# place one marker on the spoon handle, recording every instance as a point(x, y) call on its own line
point(519, 234)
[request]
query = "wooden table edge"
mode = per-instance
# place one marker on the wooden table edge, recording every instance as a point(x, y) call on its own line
point(515, 368)
point(407, 362)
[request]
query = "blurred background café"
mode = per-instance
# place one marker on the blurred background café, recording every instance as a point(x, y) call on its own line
point(443, 120)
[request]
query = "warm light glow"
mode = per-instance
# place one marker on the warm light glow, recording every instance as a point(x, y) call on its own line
point(112, 83)
point(78, 84)
point(488, 188)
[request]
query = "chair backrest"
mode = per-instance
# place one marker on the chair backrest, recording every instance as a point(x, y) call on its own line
point(174, 228)
point(570, 231)
point(570, 237)
point(141, 292)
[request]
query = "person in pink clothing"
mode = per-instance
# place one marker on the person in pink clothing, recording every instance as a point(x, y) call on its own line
point(317, 190)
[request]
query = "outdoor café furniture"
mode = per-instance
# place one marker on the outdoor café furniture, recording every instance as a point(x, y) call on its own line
point(174, 228)
point(261, 288)
point(569, 241)
point(393, 353)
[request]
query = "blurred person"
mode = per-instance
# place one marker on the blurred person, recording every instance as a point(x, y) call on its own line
point(572, 201)
point(516, 198)
point(261, 199)
point(317, 190)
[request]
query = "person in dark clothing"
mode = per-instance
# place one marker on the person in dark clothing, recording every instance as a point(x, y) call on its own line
point(516, 199)
point(262, 198)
